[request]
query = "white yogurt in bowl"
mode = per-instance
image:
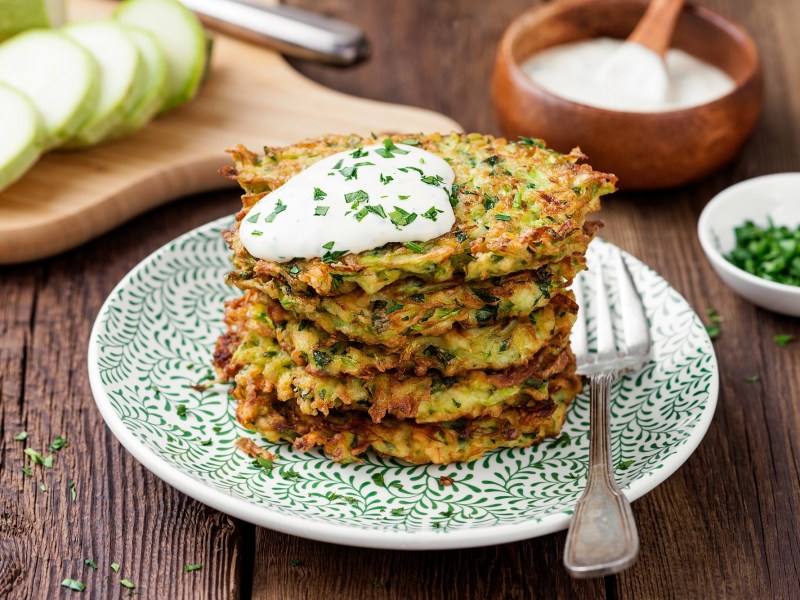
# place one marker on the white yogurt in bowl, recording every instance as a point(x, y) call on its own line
point(574, 72)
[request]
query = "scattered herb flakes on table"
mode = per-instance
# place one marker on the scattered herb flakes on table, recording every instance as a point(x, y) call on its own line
point(772, 252)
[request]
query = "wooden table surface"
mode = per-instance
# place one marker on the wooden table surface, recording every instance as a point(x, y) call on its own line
point(726, 525)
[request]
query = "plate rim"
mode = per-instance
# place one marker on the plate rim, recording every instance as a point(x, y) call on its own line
point(338, 533)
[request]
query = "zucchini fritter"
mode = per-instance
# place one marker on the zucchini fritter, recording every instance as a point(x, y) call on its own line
point(542, 196)
point(346, 435)
point(500, 346)
point(412, 307)
point(251, 357)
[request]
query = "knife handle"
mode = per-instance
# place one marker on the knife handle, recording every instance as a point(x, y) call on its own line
point(288, 30)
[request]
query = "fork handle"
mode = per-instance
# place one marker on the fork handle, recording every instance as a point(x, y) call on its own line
point(602, 537)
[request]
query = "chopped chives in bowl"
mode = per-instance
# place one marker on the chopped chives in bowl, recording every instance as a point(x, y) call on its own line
point(772, 252)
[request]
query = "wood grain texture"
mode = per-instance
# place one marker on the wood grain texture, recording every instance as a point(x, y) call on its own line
point(725, 525)
point(252, 97)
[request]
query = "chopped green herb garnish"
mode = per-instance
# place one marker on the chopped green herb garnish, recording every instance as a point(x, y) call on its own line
point(389, 149)
point(319, 194)
point(351, 172)
point(328, 245)
point(73, 584)
point(395, 306)
point(502, 217)
point(332, 257)
point(397, 511)
point(783, 339)
point(377, 584)
point(294, 270)
point(294, 562)
point(36, 458)
point(415, 247)
point(359, 153)
point(527, 141)
point(264, 463)
point(713, 315)
point(433, 179)
point(320, 211)
point(713, 331)
point(752, 378)
point(624, 464)
point(377, 479)
point(410, 142)
point(771, 252)
point(338, 165)
point(253, 218)
point(90, 563)
point(489, 202)
point(194, 567)
point(377, 210)
point(73, 492)
point(181, 410)
point(115, 567)
point(127, 583)
point(21, 436)
point(401, 217)
point(257, 233)
point(27, 471)
point(386, 178)
point(403, 197)
point(43, 487)
point(290, 474)
point(57, 444)
point(279, 208)
point(357, 197)
point(432, 213)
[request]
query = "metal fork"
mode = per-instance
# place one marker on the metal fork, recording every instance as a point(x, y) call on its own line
point(602, 537)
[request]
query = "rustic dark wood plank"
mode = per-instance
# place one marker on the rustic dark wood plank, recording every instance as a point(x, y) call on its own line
point(121, 512)
point(505, 572)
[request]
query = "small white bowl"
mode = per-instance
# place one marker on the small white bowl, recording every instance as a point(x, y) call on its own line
point(771, 196)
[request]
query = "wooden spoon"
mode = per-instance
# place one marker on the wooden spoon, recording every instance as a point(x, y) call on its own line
point(655, 29)
point(638, 68)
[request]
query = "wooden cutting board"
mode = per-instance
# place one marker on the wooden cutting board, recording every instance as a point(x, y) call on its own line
point(252, 97)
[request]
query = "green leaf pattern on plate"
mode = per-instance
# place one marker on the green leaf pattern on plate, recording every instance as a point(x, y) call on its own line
point(154, 343)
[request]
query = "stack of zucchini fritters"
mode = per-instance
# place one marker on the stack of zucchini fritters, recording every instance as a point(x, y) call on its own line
point(433, 356)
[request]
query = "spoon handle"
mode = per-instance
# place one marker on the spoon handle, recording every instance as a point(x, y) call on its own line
point(602, 537)
point(655, 29)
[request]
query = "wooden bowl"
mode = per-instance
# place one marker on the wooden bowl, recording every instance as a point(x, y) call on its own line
point(645, 150)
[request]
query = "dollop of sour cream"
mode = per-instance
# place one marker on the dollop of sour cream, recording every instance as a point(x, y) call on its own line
point(351, 202)
point(574, 71)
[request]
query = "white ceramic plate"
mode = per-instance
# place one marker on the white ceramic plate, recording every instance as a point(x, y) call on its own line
point(153, 340)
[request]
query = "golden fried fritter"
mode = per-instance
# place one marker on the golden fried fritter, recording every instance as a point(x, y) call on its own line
point(346, 435)
point(412, 307)
point(542, 197)
point(494, 347)
point(250, 356)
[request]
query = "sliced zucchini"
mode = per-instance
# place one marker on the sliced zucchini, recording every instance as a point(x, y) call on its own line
point(21, 142)
point(123, 74)
point(20, 15)
point(182, 38)
point(57, 75)
point(153, 94)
